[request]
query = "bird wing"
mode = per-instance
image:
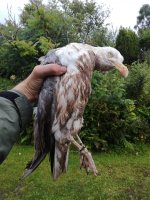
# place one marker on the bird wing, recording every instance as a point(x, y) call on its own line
point(71, 99)
point(43, 139)
point(72, 91)
point(60, 107)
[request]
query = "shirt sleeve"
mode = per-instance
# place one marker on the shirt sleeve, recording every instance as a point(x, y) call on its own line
point(14, 117)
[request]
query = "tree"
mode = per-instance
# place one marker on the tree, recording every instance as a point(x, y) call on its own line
point(43, 27)
point(103, 37)
point(88, 18)
point(64, 21)
point(144, 39)
point(127, 44)
point(143, 20)
point(143, 27)
point(144, 44)
point(39, 20)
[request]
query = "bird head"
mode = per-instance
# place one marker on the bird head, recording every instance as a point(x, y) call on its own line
point(108, 58)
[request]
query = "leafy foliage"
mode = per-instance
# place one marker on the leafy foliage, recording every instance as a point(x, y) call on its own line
point(6, 84)
point(127, 44)
point(143, 20)
point(43, 27)
point(118, 112)
point(144, 40)
point(147, 57)
point(143, 27)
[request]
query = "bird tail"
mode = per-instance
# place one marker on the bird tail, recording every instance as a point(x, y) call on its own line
point(41, 147)
point(60, 163)
point(33, 164)
point(43, 138)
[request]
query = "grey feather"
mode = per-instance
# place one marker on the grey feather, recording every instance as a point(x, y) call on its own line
point(50, 58)
point(44, 140)
point(59, 120)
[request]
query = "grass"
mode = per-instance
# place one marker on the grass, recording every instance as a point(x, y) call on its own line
point(122, 176)
point(6, 84)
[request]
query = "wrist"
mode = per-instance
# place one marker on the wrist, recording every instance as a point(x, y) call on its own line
point(26, 88)
point(21, 88)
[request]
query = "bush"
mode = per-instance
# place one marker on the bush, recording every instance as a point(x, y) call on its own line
point(118, 109)
point(147, 57)
point(6, 84)
point(127, 43)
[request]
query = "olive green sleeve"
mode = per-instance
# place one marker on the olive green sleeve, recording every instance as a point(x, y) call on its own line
point(13, 119)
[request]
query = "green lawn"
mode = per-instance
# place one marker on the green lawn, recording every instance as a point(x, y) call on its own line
point(122, 176)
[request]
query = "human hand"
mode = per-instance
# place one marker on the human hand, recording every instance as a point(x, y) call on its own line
point(30, 87)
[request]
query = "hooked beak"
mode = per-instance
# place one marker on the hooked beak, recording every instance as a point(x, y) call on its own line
point(122, 69)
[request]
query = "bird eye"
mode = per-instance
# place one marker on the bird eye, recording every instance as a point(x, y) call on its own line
point(110, 54)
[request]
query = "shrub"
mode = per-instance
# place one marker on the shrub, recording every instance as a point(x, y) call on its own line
point(127, 43)
point(6, 84)
point(118, 110)
point(147, 57)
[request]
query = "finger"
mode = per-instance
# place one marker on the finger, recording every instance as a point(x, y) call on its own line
point(53, 69)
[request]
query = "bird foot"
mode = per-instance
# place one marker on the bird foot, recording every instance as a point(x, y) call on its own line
point(87, 162)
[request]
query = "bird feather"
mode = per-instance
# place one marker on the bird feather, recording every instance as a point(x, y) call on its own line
point(62, 101)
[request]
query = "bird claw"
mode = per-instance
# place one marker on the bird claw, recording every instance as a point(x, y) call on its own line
point(87, 162)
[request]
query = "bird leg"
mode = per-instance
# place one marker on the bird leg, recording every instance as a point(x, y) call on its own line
point(80, 141)
point(86, 159)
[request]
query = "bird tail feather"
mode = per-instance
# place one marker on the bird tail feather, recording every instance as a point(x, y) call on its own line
point(43, 139)
point(33, 164)
point(60, 160)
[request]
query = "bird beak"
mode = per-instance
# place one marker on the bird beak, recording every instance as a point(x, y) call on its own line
point(122, 69)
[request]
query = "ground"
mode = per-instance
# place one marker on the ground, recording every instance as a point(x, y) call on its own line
point(122, 176)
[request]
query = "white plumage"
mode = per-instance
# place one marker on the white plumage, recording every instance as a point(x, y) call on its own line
point(62, 101)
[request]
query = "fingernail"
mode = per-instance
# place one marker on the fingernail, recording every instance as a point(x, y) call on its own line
point(63, 69)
